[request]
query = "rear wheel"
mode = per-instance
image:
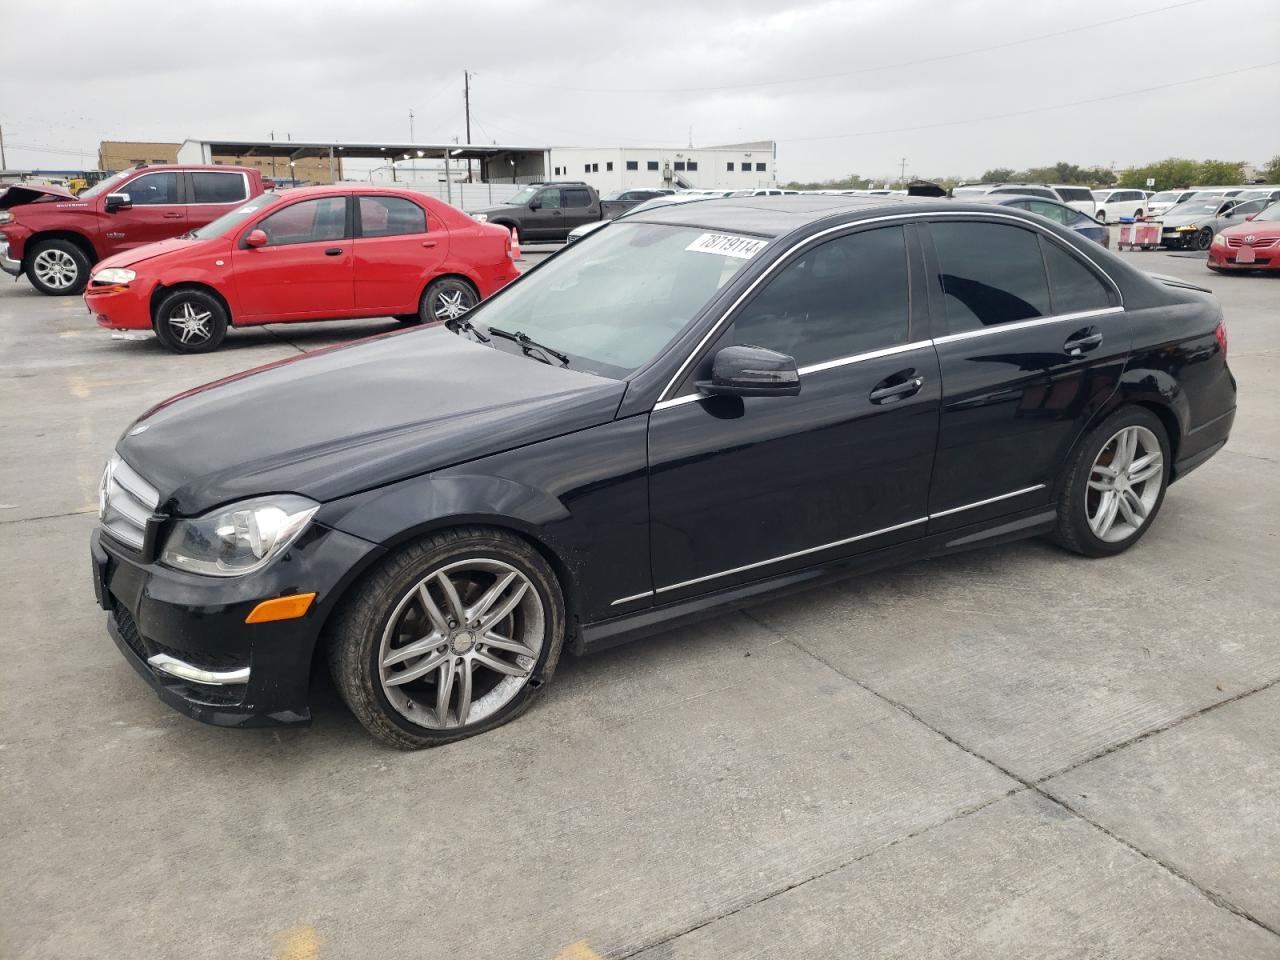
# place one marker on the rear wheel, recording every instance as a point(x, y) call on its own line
point(449, 637)
point(446, 299)
point(1114, 484)
point(58, 268)
point(190, 321)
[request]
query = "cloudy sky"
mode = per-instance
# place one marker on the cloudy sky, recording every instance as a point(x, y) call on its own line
point(843, 87)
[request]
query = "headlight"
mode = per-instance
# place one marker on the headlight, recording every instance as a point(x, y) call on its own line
point(114, 275)
point(480, 217)
point(6, 216)
point(1185, 229)
point(1219, 240)
point(240, 538)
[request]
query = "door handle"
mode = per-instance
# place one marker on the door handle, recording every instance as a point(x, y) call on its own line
point(894, 388)
point(173, 216)
point(1083, 340)
point(428, 243)
point(333, 252)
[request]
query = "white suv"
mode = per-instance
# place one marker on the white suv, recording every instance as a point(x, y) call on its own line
point(1114, 204)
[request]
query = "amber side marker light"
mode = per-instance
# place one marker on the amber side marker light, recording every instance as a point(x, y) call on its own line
point(281, 608)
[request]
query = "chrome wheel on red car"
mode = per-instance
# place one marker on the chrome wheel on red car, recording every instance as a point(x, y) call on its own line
point(190, 321)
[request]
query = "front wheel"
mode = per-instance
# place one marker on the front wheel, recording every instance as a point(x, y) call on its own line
point(451, 636)
point(1102, 216)
point(190, 321)
point(446, 299)
point(58, 268)
point(1204, 238)
point(1114, 484)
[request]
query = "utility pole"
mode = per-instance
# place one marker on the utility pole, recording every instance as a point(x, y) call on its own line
point(466, 101)
point(902, 172)
point(413, 164)
point(3, 164)
point(273, 156)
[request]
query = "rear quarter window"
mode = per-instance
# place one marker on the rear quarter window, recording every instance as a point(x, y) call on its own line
point(1073, 287)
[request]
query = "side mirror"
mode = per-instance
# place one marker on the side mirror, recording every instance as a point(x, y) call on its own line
point(1251, 216)
point(256, 238)
point(535, 205)
point(117, 201)
point(746, 371)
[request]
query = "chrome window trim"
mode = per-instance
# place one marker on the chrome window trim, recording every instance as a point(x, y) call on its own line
point(664, 397)
point(983, 503)
point(790, 556)
point(1025, 324)
point(869, 355)
point(244, 179)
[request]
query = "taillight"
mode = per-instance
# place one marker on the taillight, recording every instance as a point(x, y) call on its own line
point(1220, 334)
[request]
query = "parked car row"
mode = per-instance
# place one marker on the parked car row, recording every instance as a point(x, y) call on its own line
point(705, 402)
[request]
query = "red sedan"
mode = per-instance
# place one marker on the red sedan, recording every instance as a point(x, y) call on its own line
point(1252, 245)
point(316, 253)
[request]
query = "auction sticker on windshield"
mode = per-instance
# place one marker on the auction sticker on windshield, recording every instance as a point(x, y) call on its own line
point(726, 245)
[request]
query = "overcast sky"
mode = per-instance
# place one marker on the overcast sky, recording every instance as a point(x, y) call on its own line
point(837, 84)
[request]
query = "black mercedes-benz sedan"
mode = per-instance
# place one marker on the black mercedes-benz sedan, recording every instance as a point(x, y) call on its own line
point(691, 407)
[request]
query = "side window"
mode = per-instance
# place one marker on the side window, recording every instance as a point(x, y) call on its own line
point(1050, 210)
point(633, 164)
point(550, 199)
point(390, 217)
point(1074, 286)
point(989, 274)
point(218, 188)
point(309, 221)
point(152, 188)
point(576, 197)
point(843, 297)
point(652, 165)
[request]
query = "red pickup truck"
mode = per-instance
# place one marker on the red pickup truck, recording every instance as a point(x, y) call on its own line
point(54, 237)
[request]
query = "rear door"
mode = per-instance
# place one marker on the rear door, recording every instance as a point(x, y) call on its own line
point(1031, 341)
point(396, 253)
point(211, 193)
point(578, 207)
point(158, 211)
point(305, 270)
point(746, 488)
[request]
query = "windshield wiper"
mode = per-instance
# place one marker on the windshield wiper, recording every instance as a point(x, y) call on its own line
point(527, 343)
point(462, 323)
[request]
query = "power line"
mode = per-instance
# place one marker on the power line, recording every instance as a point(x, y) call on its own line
point(860, 70)
point(1032, 110)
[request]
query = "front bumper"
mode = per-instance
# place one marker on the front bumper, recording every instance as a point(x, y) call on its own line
point(7, 263)
point(186, 635)
point(119, 306)
point(1264, 258)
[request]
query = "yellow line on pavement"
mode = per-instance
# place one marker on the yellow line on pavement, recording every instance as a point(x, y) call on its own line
point(577, 951)
point(300, 943)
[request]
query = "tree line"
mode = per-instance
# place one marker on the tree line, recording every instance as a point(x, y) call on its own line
point(1170, 174)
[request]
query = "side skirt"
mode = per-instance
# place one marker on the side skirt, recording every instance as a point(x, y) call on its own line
point(633, 626)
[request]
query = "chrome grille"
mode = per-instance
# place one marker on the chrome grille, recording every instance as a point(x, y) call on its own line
point(1262, 244)
point(125, 503)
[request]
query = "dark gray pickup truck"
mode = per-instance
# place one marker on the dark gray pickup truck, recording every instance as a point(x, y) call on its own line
point(548, 211)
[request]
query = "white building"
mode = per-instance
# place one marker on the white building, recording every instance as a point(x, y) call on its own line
point(732, 166)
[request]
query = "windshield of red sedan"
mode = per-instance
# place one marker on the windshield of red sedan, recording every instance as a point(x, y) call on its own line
point(613, 301)
point(229, 221)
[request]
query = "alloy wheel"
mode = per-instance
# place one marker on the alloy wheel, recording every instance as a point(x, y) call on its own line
point(1124, 484)
point(56, 269)
point(190, 323)
point(451, 301)
point(461, 643)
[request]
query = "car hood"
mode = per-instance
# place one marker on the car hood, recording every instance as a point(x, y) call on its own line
point(1262, 229)
point(1187, 220)
point(347, 419)
point(149, 251)
point(498, 208)
point(20, 193)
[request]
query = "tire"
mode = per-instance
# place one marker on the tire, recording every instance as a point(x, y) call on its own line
point(1102, 216)
point(190, 321)
point(446, 299)
point(1082, 525)
point(1137, 214)
point(385, 616)
point(58, 268)
point(1204, 238)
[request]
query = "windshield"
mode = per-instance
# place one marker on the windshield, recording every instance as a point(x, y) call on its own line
point(229, 221)
point(1167, 196)
point(104, 186)
point(1271, 213)
point(613, 304)
point(524, 196)
point(1196, 208)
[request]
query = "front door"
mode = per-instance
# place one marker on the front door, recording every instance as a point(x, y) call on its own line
point(158, 211)
point(1031, 341)
point(396, 254)
point(546, 222)
point(577, 208)
point(744, 489)
point(305, 270)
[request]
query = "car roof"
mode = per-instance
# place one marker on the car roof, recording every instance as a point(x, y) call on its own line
point(778, 216)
